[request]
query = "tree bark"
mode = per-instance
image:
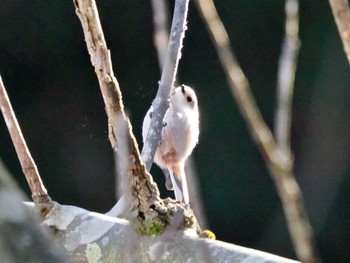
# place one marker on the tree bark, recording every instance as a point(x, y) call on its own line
point(92, 237)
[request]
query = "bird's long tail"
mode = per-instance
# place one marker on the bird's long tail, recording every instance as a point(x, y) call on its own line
point(178, 179)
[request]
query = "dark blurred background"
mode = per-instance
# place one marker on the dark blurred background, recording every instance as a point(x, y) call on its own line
point(55, 94)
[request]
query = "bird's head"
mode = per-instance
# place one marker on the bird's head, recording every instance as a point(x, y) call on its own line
point(184, 98)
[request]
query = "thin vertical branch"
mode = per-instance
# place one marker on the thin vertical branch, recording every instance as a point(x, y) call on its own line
point(286, 76)
point(161, 102)
point(161, 36)
point(341, 13)
point(196, 200)
point(279, 163)
point(39, 192)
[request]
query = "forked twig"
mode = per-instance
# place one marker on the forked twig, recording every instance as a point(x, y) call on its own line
point(145, 194)
point(39, 193)
point(279, 163)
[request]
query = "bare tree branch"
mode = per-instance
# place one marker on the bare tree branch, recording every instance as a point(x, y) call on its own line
point(143, 188)
point(161, 36)
point(100, 57)
point(146, 200)
point(279, 163)
point(196, 199)
point(341, 13)
point(161, 102)
point(39, 193)
point(286, 75)
point(93, 237)
point(123, 208)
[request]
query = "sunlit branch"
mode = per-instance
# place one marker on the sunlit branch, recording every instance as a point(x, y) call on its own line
point(161, 101)
point(39, 192)
point(279, 163)
point(143, 189)
point(286, 75)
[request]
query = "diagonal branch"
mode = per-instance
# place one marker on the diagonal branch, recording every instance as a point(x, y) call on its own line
point(286, 76)
point(39, 193)
point(341, 13)
point(161, 102)
point(278, 162)
point(146, 200)
point(144, 190)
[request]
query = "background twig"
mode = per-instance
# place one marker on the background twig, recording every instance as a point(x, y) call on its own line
point(341, 13)
point(39, 193)
point(279, 163)
point(161, 103)
point(286, 75)
point(160, 28)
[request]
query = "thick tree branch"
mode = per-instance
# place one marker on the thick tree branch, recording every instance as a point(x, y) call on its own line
point(279, 163)
point(341, 13)
point(161, 102)
point(93, 237)
point(39, 193)
point(286, 75)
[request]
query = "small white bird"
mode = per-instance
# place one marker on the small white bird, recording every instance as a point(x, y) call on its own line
point(179, 137)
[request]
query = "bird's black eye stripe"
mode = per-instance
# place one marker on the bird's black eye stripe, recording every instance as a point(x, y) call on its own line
point(183, 89)
point(189, 99)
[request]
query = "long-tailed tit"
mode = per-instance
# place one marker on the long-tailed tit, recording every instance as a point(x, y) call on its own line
point(179, 137)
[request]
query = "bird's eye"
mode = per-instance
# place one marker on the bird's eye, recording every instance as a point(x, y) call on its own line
point(189, 99)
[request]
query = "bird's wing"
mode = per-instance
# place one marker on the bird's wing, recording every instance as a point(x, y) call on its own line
point(146, 124)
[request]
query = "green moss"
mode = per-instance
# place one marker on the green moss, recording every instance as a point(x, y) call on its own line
point(151, 227)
